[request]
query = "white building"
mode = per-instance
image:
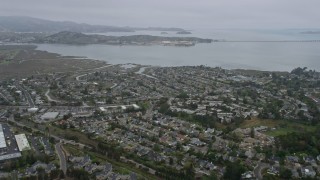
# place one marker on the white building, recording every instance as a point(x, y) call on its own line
point(3, 145)
point(22, 142)
point(49, 115)
point(33, 110)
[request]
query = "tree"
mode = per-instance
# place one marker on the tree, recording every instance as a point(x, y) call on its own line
point(252, 133)
point(61, 176)
point(54, 174)
point(234, 170)
point(212, 176)
point(109, 100)
point(17, 116)
point(157, 148)
point(164, 108)
point(47, 131)
point(189, 170)
point(170, 160)
point(285, 173)
point(179, 146)
point(183, 95)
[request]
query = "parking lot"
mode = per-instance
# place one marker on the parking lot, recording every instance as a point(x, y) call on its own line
point(12, 150)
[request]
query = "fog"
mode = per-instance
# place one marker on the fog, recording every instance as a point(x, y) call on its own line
point(173, 13)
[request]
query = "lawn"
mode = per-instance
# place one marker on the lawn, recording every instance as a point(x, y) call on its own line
point(83, 138)
point(282, 127)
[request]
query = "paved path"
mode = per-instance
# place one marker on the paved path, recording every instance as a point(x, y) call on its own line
point(62, 158)
point(141, 72)
point(114, 85)
point(257, 170)
point(4, 97)
point(49, 98)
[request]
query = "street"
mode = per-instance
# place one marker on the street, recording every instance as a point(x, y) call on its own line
point(62, 158)
point(257, 170)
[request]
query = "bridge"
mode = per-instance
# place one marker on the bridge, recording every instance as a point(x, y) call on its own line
point(271, 41)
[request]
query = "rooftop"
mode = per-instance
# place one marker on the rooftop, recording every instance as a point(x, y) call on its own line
point(22, 142)
point(2, 138)
point(50, 115)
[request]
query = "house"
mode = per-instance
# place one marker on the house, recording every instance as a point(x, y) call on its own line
point(308, 172)
point(47, 146)
point(91, 168)
point(133, 176)
point(142, 151)
point(80, 162)
point(273, 171)
point(248, 175)
point(197, 142)
point(309, 159)
point(292, 159)
point(33, 169)
point(250, 153)
point(105, 173)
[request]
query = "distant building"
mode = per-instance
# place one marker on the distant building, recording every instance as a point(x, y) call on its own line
point(136, 107)
point(33, 110)
point(49, 116)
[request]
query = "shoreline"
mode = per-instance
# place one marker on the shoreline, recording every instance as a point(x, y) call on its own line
point(106, 62)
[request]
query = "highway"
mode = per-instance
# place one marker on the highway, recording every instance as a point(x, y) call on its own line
point(271, 41)
point(26, 94)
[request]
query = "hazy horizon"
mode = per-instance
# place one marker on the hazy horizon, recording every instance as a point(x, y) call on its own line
point(188, 14)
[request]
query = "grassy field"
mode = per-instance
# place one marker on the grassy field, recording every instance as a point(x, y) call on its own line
point(83, 138)
point(281, 126)
point(23, 61)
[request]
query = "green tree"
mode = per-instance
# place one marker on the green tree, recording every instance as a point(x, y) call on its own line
point(189, 170)
point(252, 133)
point(285, 173)
point(212, 176)
point(234, 171)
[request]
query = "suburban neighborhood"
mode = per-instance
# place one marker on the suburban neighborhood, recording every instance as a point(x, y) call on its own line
point(142, 122)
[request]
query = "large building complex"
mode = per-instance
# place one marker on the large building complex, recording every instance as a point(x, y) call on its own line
point(8, 145)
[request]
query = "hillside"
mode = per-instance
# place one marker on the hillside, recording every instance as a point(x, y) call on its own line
point(67, 37)
point(29, 24)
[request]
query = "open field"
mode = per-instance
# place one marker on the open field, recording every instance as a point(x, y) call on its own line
point(278, 127)
point(22, 61)
point(69, 133)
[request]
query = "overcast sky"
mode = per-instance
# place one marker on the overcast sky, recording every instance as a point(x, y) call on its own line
point(173, 13)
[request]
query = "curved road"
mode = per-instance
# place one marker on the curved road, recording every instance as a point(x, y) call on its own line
point(141, 72)
point(62, 157)
point(49, 98)
point(257, 170)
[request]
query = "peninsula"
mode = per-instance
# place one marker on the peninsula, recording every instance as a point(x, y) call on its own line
point(67, 37)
